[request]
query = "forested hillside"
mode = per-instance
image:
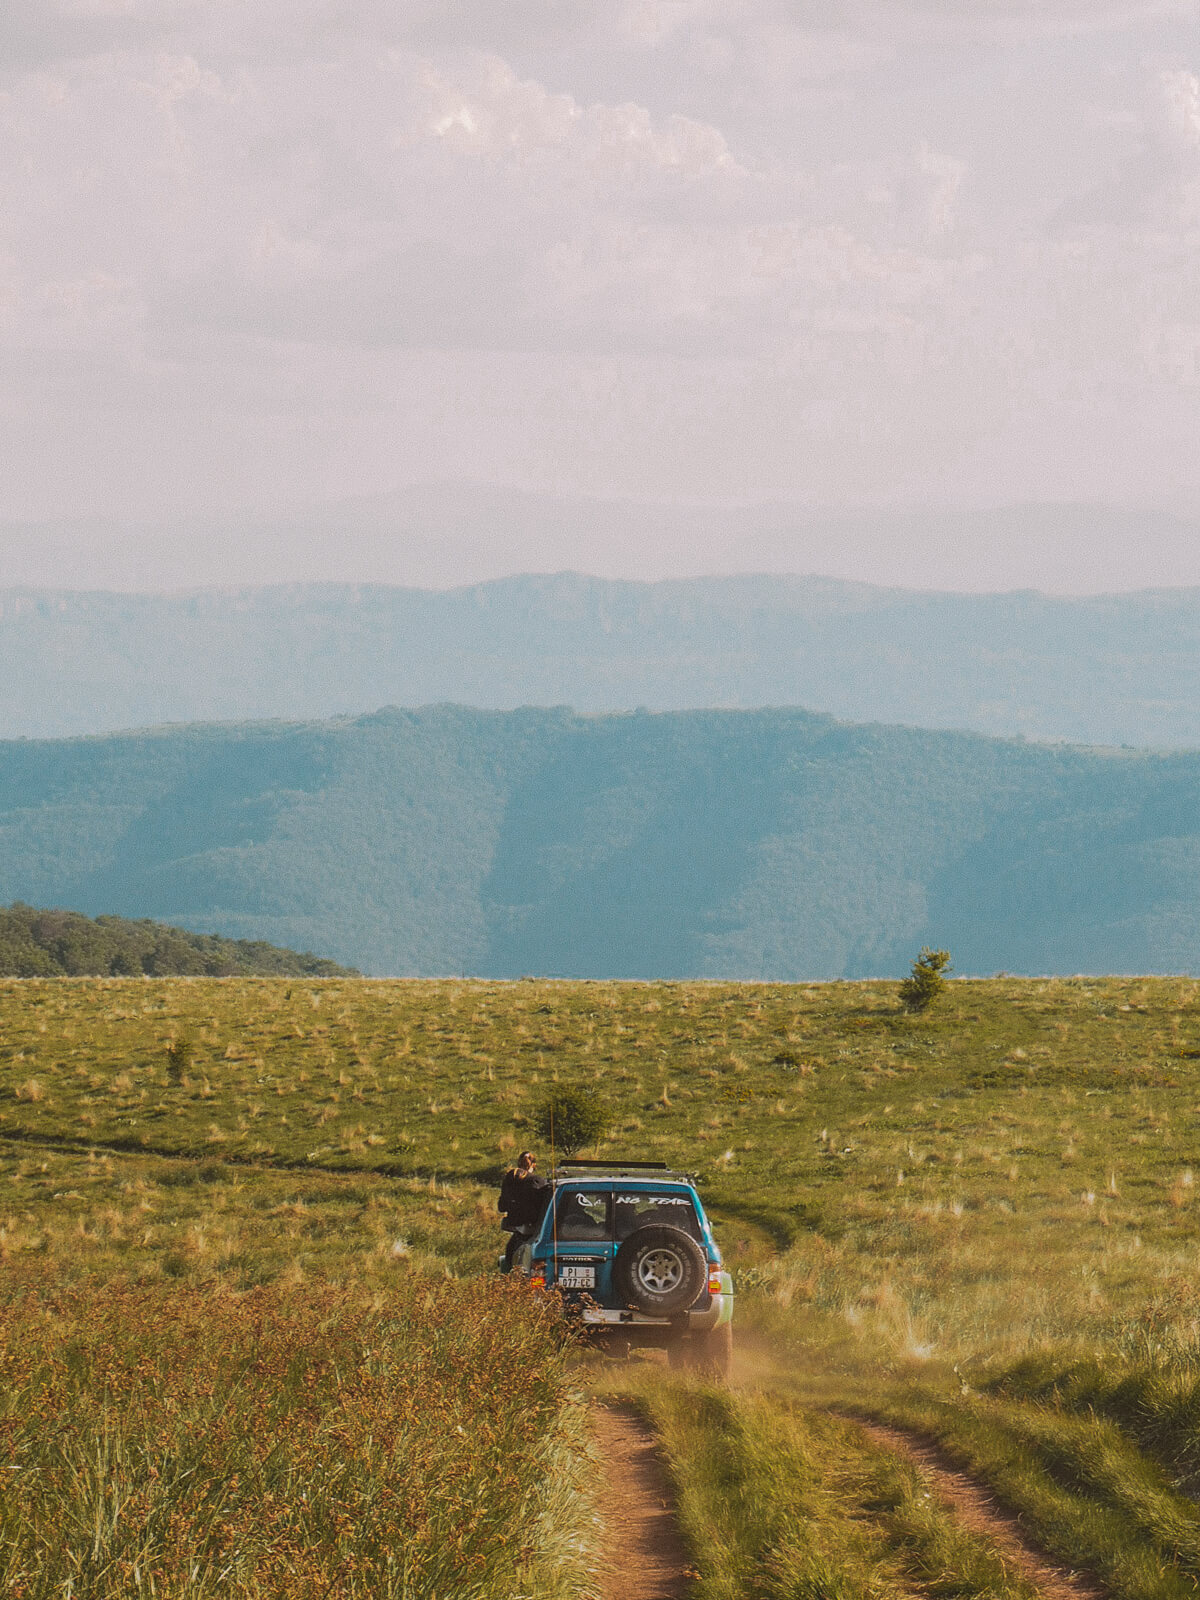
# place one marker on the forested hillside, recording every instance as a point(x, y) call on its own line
point(1121, 669)
point(733, 844)
point(65, 944)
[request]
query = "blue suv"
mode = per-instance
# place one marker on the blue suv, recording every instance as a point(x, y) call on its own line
point(628, 1247)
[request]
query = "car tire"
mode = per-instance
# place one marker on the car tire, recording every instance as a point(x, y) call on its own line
point(659, 1270)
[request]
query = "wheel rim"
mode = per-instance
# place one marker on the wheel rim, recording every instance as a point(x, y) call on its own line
point(660, 1271)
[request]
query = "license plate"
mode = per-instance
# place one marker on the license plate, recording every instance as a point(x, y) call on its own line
point(577, 1277)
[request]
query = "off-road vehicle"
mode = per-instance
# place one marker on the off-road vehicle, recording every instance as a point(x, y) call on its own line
point(628, 1247)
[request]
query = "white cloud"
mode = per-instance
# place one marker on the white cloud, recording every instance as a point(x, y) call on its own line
point(872, 244)
point(1181, 103)
point(489, 111)
point(575, 227)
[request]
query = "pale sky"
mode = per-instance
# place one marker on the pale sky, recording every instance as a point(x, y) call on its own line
point(269, 254)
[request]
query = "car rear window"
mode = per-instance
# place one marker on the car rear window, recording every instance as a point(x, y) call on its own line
point(633, 1208)
point(581, 1214)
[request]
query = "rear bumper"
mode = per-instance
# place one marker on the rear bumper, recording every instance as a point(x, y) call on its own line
point(618, 1321)
point(600, 1319)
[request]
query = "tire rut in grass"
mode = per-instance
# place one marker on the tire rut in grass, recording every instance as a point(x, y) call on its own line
point(979, 1512)
point(74, 1144)
point(645, 1558)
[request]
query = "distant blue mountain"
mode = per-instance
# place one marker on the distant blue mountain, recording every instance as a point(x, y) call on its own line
point(1121, 669)
point(766, 844)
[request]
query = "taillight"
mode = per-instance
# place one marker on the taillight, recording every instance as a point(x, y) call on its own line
point(537, 1278)
point(714, 1280)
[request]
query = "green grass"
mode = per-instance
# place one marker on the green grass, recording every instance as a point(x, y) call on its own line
point(141, 1217)
point(979, 1223)
point(1083, 1490)
point(1151, 1391)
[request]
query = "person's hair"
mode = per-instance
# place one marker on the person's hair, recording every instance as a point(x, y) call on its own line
point(525, 1159)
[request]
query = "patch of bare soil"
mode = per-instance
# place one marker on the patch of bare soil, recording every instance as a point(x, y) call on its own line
point(644, 1555)
point(978, 1510)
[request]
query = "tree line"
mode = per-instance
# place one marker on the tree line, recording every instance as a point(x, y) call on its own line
point(65, 944)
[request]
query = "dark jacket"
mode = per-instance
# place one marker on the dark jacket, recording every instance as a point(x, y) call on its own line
point(522, 1200)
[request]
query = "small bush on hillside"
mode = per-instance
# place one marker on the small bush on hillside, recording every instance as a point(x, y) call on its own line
point(570, 1117)
point(181, 1052)
point(926, 981)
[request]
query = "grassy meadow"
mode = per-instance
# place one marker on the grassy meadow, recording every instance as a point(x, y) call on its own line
point(289, 1441)
point(978, 1224)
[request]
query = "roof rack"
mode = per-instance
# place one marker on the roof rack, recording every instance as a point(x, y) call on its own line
point(614, 1166)
point(620, 1169)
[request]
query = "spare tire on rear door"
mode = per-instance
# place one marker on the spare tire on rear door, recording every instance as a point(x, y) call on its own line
point(659, 1270)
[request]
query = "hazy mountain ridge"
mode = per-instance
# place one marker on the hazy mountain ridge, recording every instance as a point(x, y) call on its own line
point(453, 532)
point(1117, 669)
point(718, 843)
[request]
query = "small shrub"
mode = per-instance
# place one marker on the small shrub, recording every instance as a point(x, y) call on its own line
point(570, 1117)
point(926, 981)
point(181, 1052)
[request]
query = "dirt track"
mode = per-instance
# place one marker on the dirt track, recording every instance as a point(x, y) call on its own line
point(977, 1510)
point(648, 1561)
point(647, 1558)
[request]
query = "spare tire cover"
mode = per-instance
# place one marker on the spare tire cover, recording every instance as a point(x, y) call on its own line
point(659, 1270)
